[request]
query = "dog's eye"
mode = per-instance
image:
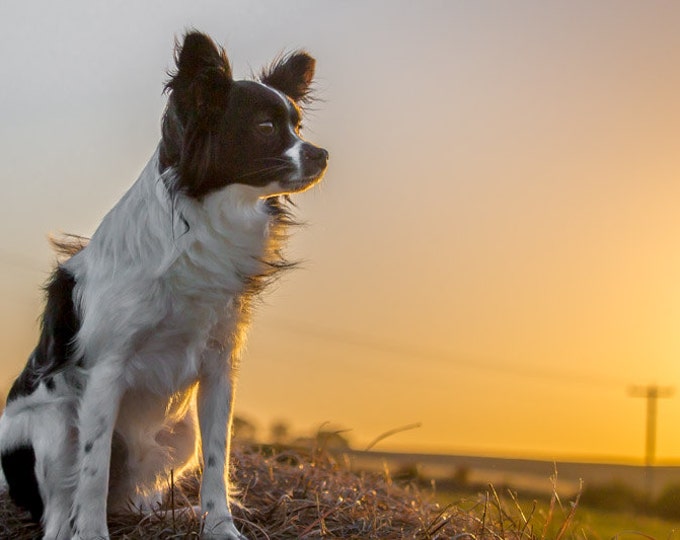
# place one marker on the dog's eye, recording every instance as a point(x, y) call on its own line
point(266, 127)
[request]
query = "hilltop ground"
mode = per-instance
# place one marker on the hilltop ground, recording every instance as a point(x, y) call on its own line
point(288, 494)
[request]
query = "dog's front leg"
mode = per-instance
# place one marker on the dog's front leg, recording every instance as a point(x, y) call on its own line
point(96, 419)
point(215, 401)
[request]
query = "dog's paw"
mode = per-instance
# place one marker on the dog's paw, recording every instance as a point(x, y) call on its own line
point(87, 531)
point(79, 535)
point(221, 530)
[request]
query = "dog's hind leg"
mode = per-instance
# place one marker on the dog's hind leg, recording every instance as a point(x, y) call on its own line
point(38, 451)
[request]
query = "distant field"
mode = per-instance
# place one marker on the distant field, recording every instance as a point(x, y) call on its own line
point(606, 525)
point(588, 523)
point(532, 479)
point(522, 474)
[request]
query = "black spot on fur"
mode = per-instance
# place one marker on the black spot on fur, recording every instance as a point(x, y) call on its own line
point(54, 351)
point(210, 506)
point(19, 468)
point(212, 461)
point(88, 447)
point(49, 383)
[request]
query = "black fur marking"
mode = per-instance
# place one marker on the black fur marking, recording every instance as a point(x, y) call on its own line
point(212, 461)
point(19, 468)
point(185, 223)
point(49, 383)
point(88, 447)
point(55, 349)
point(210, 506)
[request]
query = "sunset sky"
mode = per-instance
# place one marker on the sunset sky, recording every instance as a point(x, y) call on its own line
point(495, 250)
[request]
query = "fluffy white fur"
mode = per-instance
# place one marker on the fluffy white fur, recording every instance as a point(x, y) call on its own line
point(163, 308)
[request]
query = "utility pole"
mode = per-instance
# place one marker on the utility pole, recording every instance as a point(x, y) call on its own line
point(651, 393)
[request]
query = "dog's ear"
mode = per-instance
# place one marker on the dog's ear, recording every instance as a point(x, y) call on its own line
point(292, 75)
point(199, 53)
point(198, 87)
point(203, 73)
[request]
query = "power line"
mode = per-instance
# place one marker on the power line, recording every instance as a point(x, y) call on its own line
point(410, 352)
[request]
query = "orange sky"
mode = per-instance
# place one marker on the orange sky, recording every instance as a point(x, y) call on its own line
point(495, 251)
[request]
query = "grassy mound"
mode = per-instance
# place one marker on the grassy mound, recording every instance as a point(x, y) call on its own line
point(289, 495)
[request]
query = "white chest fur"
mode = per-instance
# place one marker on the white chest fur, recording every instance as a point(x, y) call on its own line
point(165, 278)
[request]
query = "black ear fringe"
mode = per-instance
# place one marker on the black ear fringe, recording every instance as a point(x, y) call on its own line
point(292, 74)
point(67, 245)
point(196, 54)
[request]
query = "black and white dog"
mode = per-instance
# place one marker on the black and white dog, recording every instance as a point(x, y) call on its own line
point(143, 324)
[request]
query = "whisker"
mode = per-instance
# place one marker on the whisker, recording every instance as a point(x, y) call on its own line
point(273, 158)
point(273, 168)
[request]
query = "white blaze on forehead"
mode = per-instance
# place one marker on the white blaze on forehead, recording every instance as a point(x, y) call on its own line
point(283, 97)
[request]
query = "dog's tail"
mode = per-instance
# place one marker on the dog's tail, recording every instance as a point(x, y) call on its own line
point(67, 245)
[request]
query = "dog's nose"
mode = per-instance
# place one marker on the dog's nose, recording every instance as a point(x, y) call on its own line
point(314, 154)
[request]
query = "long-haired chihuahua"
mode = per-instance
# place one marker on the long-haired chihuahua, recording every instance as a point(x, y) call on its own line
point(133, 374)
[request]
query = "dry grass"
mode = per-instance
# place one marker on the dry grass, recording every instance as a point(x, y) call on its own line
point(289, 495)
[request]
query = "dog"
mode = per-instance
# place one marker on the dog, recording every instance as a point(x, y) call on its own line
point(133, 373)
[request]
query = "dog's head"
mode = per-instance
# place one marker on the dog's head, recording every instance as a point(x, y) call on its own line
point(218, 131)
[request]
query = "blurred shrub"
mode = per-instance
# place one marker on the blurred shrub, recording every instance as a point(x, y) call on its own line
point(410, 472)
point(244, 430)
point(668, 503)
point(461, 476)
point(613, 496)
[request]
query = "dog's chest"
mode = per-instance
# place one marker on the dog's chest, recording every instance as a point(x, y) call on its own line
point(201, 305)
point(169, 357)
point(159, 298)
